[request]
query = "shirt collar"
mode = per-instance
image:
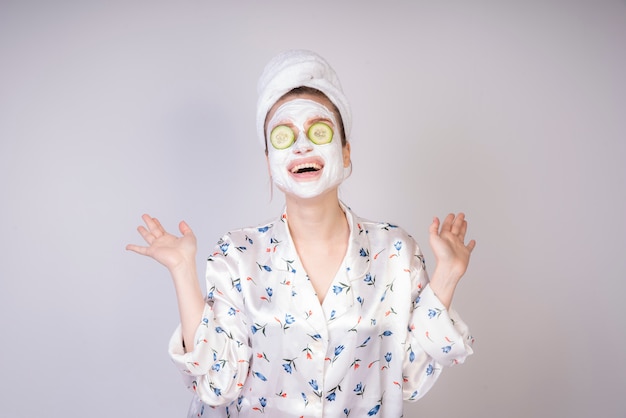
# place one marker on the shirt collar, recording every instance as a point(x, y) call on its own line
point(357, 261)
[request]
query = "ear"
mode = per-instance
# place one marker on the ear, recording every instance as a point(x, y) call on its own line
point(346, 155)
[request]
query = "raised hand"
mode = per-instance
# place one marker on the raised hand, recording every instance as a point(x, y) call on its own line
point(178, 254)
point(169, 250)
point(452, 255)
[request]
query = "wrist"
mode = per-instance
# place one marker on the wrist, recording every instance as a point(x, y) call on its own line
point(184, 271)
point(443, 285)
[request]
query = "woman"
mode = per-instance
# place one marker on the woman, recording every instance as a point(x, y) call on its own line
point(319, 313)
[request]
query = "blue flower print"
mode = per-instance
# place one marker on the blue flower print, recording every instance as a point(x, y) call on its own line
point(231, 311)
point(412, 356)
point(387, 359)
point(367, 340)
point(338, 351)
point(385, 333)
point(374, 410)
point(339, 288)
point(434, 313)
point(369, 280)
point(359, 389)
point(224, 248)
point(260, 376)
point(289, 266)
point(332, 315)
point(446, 349)
point(398, 245)
point(263, 267)
point(289, 319)
point(263, 403)
point(257, 327)
point(313, 384)
point(269, 292)
point(264, 228)
point(346, 411)
point(430, 370)
point(239, 401)
point(221, 330)
point(332, 394)
point(290, 365)
point(388, 226)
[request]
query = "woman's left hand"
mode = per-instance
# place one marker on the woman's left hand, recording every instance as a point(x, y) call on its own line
point(452, 255)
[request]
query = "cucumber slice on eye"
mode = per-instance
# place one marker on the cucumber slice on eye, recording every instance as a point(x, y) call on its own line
point(282, 137)
point(320, 133)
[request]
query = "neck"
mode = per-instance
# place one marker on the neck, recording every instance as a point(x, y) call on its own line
point(319, 218)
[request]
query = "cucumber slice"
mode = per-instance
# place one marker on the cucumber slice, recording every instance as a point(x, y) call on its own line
point(282, 137)
point(320, 133)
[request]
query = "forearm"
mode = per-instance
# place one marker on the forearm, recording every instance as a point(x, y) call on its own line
point(443, 284)
point(190, 301)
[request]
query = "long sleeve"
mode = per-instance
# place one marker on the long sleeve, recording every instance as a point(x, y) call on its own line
point(437, 336)
point(217, 365)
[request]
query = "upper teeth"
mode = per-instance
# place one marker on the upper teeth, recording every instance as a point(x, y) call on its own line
point(299, 167)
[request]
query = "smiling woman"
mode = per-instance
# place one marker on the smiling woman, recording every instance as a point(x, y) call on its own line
point(319, 313)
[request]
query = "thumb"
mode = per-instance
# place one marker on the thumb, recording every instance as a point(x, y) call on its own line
point(184, 228)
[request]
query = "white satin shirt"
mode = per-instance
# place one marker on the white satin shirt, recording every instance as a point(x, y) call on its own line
point(267, 347)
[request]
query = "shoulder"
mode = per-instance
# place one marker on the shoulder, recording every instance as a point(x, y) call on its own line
point(382, 236)
point(380, 230)
point(249, 237)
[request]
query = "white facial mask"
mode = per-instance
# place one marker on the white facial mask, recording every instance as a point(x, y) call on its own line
point(327, 157)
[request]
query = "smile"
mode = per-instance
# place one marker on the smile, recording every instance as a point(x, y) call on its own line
point(306, 168)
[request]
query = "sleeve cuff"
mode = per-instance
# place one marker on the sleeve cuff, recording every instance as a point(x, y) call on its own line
point(439, 331)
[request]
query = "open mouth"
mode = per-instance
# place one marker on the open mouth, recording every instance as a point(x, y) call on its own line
point(306, 168)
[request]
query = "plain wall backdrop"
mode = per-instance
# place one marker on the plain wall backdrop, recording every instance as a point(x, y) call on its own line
point(511, 111)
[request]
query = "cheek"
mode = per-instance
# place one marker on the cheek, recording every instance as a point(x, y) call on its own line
point(277, 159)
point(332, 152)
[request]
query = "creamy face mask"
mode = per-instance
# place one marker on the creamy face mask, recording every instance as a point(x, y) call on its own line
point(304, 150)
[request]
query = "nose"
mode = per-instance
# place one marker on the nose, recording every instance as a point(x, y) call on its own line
point(302, 144)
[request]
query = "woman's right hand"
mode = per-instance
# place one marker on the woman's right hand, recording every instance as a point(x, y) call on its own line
point(178, 254)
point(171, 251)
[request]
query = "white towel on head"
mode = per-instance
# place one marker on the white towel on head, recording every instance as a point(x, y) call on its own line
point(298, 68)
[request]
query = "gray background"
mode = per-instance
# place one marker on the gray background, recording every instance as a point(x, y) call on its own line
point(513, 112)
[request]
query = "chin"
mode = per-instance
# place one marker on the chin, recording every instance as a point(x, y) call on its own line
point(301, 191)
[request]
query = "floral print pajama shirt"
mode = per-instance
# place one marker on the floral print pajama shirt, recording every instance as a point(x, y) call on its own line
point(267, 347)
